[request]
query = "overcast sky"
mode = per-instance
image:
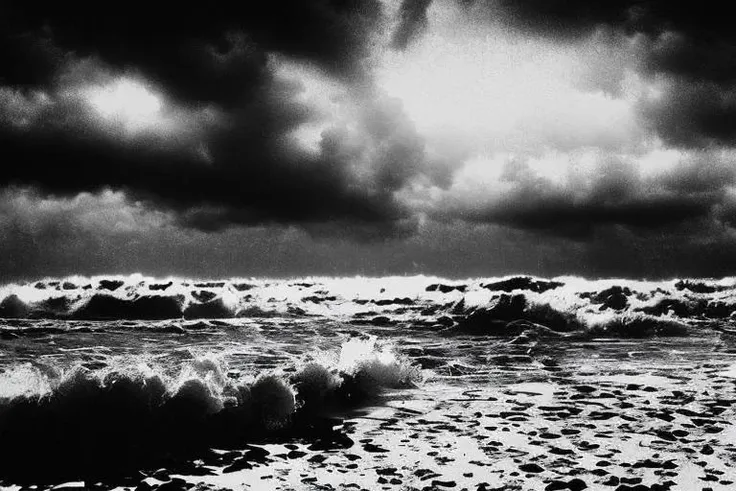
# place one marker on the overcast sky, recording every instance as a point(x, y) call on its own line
point(451, 137)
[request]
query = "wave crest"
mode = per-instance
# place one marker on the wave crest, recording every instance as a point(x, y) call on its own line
point(478, 306)
point(131, 415)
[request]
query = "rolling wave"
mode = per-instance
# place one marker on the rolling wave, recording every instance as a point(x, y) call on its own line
point(80, 422)
point(478, 306)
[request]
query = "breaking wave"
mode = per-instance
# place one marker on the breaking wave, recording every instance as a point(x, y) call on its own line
point(67, 423)
point(478, 306)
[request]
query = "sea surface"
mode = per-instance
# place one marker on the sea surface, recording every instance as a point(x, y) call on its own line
point(106, 380)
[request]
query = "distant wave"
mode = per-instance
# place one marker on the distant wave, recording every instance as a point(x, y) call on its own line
point(478, 306)
point(82, 422)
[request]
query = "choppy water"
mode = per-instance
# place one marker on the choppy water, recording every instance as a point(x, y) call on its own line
point(150, 382)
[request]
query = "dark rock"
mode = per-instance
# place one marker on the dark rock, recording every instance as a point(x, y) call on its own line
point(641, 487)
point(616, 301)
point(243, 287)
point(531, 468)
point(522, 283)
point(601, 415)
point(653, 464)
point(316, 299)
point(697, 287)
point(381, 320)
point(549, 436)
point(111, 285)
point(371, 448)
point(395, 301)
point(585, 389)
point(615, 298)
point(574, 485)
point(444, 484)
point(611, 481)
point(445, 288)
point(160, 286)
point(666, 435)
point(664, 416)
point(386, 471)
point(561, 451)
point(317, 459)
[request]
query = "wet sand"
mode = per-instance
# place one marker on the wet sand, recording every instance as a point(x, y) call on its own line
point(638, 423)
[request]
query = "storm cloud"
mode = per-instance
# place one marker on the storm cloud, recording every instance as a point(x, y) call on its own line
point(378, 129)
point(412, 24)
point(688, 48)
point(203, 54)
point(221, 149)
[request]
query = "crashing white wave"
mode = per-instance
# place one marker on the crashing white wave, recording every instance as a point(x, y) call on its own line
point(135, 410)
point(562, 304)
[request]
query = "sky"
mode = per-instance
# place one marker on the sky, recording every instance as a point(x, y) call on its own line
point(363, 137)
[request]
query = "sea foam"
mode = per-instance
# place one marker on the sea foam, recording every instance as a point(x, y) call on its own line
point(128, 415)
point(482, 306)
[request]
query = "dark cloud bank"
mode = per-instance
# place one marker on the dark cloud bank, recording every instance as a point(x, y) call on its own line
point(337, 209)
point(214, 59)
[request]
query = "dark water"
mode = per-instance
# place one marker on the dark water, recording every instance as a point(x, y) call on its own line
point(84, 398)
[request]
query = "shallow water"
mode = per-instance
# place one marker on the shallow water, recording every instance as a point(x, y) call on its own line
point(256, 345)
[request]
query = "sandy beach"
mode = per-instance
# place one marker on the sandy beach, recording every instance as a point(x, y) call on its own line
point(605, 417)
point(628, 427)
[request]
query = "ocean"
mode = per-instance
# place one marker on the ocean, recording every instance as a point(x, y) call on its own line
point(131, 382)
